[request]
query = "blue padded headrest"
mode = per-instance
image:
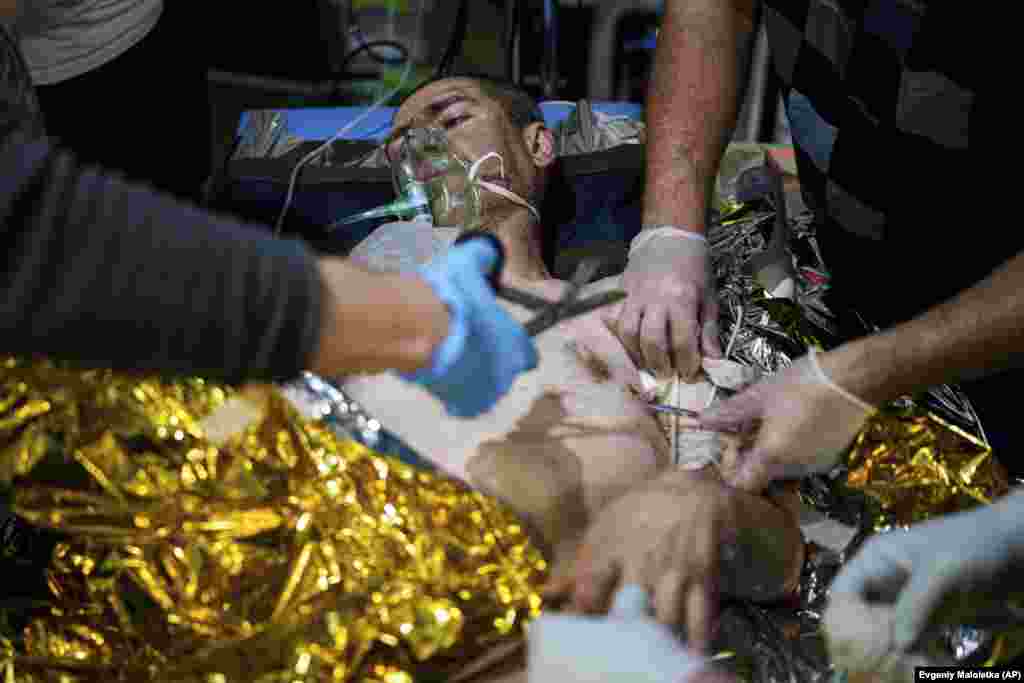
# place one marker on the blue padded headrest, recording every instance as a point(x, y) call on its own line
point(592, 200)
point(321, 123)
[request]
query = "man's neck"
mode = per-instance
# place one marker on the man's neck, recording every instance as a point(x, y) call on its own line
point(522, 237)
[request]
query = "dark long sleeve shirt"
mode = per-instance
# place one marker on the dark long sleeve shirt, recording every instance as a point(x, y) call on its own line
point(108, 273)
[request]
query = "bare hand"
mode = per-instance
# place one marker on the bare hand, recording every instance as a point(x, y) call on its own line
point(664, 537)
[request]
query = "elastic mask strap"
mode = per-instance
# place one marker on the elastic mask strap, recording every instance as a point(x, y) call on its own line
point(474, 170)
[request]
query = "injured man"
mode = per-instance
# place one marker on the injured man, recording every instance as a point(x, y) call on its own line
point(615, 493)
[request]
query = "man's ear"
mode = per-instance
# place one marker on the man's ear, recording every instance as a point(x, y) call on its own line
point(540, 142)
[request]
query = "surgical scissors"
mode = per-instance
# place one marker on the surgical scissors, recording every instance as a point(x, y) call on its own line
point(549, 313)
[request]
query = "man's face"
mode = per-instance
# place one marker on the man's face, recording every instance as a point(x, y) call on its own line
point(475, 125)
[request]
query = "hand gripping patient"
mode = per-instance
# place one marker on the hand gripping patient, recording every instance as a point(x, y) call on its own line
point(574, 448)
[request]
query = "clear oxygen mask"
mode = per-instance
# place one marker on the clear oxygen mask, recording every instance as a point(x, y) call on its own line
point(422, 161)
point(432, 182)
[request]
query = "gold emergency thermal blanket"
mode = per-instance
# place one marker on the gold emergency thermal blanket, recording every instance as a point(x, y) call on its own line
point(915, 466)
point(283, 553)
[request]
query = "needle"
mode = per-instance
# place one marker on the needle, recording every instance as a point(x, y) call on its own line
point(673, 410)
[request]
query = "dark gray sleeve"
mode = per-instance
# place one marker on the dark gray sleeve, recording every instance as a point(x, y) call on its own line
point(107, 273)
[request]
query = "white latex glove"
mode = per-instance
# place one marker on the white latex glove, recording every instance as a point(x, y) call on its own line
point(859, 637)
point(670, 318)
point(627, 646)
point(801, 422)
point(981, 551)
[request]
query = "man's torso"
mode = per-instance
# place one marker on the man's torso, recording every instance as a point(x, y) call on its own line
point(580, 360)
point(568, 438)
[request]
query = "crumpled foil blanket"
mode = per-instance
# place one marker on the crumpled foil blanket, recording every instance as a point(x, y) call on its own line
point(285, 552)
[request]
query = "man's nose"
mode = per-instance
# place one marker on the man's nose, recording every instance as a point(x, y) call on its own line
point(428, 169)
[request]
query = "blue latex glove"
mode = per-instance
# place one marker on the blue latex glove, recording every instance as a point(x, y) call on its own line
point(486, 349)
point(917, 570)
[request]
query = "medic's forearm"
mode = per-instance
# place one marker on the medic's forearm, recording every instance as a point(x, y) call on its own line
point(692, 106)
point(978, 332)
point(375, 321)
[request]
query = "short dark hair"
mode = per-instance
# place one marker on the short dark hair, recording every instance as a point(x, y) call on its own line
point(521, 107)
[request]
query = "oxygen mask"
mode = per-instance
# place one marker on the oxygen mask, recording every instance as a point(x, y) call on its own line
point(422, 162)
point(432, 182)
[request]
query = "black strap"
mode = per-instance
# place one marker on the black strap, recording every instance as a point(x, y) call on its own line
point(494, 277)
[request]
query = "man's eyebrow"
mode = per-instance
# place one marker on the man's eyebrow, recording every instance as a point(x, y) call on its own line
point(438, 106)
point(434, 108)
